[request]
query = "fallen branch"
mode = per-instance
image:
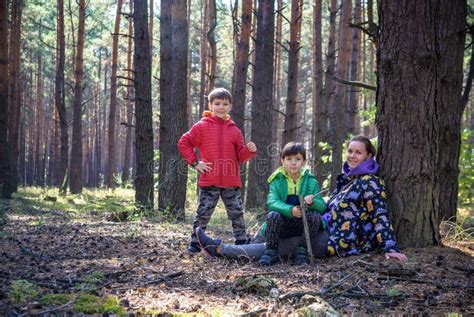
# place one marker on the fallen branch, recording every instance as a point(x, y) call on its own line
point(36, 255)
point(418, 281)
point(55, 308)
point(257, 312)
point(164, 278)
point(325, 291)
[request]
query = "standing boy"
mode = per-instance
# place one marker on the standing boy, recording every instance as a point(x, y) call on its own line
point(222, 150)
point(284, 219)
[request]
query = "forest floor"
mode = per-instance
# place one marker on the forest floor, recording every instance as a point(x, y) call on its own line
point(58, 262)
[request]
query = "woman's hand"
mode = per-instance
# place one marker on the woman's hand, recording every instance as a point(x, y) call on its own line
point(309, 200)
point(297, 212)
point(203, 167)
point(395, 255)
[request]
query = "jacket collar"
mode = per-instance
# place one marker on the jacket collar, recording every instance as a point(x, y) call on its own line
point(210, 114)
point(369, 166)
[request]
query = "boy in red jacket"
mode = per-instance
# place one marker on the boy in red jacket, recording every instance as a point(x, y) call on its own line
point(222, 150)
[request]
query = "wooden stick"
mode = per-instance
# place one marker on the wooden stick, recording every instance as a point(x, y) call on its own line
point(306, 230)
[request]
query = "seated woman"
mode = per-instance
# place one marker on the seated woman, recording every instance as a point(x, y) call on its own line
point(357, 216)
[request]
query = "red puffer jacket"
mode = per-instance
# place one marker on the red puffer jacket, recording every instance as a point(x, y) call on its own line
point(219, 142)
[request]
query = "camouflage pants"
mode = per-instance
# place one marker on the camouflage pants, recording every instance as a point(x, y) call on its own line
point(281, 227)
point(208, 197)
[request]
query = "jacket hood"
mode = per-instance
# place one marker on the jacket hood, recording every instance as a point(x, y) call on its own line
point(281, 171)
point(369, 166)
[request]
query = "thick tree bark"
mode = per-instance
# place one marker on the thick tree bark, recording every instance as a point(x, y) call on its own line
point(418, 113)
point(75, 183)
point(173, 170)
point(14, 104)
point(262, 105)
point(143, 109)
point(292, 131)
point(112, 152)
point(4, 149)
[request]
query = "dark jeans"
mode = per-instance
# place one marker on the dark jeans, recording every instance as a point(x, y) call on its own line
point(281, 227)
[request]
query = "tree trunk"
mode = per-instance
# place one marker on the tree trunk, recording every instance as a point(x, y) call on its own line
point(75, 183)
point(278, 116)
point(150, 27)
point(173, 174)
point(143, 108)
point(239, 81)
point(127, 162)
point(39, 152)
point(354, 73)
point(203, 55)
point(14, 113)
point(262, 105)
point(338, 105)
point(418, 113)
point(293, 122)
point(4, 149)
point(211, 38)
point(319, 119)
point(112, 152)
point(59, 98)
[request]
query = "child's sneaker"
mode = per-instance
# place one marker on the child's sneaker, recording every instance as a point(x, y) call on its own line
point(301, 256)
point(206, 243)
point(194, 248)
point(270, 257)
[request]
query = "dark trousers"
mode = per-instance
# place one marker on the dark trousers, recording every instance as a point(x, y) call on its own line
point(281, 227)
point(208, 197)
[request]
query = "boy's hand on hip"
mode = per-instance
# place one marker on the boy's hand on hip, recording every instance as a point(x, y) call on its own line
point(251, 147)
point(297, 212)
point(204, 167)
point(309, 200)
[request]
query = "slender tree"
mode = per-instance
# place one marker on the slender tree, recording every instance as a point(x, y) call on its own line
point(319, 119)
point(112, 155)
point(143, 109)
point(419, 80)
point(338, 104)
point(39, 133)
point(59, 99)
point(212, 50)
point(75, 184)
point(292, 120)
point(262, 105)
point(353, 101)
point(277, 113)
point(204, 55)
point(4, 157)
point(239, 82)
point(127, 162)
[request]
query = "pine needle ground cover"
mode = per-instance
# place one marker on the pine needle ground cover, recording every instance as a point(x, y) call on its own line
point(70, 256)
